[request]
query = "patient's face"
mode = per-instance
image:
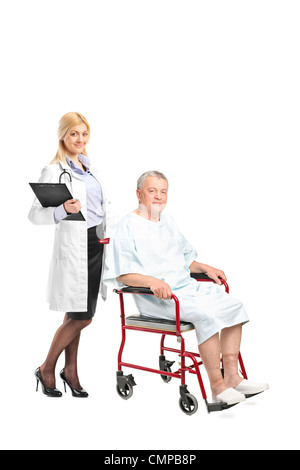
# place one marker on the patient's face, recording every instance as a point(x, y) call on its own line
point(153, 195)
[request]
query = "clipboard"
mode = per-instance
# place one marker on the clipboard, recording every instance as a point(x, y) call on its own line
point(53, 195)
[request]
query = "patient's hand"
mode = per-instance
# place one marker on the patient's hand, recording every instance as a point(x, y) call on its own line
point(160, 289)
point(211, 272)
point(215, 274)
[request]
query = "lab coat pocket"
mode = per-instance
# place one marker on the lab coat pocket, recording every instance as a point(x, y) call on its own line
point(64, 244)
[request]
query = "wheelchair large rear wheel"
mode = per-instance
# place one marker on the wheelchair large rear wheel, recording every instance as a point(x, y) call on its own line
point(191, 406)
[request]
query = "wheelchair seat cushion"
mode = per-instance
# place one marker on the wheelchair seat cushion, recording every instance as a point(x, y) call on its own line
point(152, 323)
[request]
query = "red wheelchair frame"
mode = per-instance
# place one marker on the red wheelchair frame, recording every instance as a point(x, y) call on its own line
point(187, 402)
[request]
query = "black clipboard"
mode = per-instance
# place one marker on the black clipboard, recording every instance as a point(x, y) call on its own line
point(53, 195)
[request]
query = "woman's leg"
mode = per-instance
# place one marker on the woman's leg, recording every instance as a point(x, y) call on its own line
point(230, 341)
point(67, 335)
point(71, 353)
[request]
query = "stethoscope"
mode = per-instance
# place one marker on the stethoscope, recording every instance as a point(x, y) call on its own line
point(104, 241)
point(68, 173)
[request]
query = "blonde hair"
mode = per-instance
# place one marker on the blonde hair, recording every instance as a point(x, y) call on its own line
point(66, 123)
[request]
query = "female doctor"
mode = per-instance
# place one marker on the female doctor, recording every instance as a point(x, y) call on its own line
point(76, 266)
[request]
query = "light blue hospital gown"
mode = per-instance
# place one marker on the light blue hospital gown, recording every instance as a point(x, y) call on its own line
point(158, 249)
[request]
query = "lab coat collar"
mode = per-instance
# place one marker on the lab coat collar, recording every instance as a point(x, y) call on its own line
point(82, 158)
point(65, 166)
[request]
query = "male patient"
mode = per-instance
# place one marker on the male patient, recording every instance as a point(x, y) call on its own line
point(148, 250)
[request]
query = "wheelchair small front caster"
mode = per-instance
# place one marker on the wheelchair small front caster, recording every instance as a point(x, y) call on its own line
point(125, 385)
point(165, 366)
point(187, 402)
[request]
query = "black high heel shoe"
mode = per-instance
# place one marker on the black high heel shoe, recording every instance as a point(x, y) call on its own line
point(75, 393)
point(49, 392)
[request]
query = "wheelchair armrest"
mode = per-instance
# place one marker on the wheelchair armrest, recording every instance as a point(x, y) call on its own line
point(137, 290)
point(200, 276)
point(145, 290)
point(204, 277)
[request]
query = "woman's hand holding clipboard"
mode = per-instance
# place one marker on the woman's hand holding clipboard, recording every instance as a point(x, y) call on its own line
point(55, 194)
point(72, 206)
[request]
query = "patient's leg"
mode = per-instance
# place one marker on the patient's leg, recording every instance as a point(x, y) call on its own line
point(210, 354)
point(229, 344)
point(230, 347)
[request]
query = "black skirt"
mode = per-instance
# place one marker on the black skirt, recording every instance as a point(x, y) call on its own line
point(95, 255)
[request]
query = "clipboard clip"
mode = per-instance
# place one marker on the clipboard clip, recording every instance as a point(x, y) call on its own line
point(68, 173)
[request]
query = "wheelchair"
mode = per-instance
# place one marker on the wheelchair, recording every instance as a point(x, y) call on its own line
point(125, 383)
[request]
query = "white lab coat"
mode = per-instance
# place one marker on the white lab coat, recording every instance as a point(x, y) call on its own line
point(68, 276)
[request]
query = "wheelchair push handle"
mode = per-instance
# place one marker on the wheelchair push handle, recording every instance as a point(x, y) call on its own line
point(104, 241)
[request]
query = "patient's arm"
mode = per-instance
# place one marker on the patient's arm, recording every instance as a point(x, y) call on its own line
point(160, 289)
point(211, 272)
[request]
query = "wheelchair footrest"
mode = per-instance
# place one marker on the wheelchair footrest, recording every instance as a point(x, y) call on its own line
point(250, 395)
point(211, 407)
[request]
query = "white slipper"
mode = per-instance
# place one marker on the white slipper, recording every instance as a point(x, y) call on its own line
point(251, 388)
point(229, 396)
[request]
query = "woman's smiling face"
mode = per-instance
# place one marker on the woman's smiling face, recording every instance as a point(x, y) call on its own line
point(76, 140)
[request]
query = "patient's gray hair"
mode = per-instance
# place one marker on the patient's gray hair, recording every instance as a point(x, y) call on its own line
point(144, 176)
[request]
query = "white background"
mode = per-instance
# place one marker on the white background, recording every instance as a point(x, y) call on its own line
point(207, 92)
